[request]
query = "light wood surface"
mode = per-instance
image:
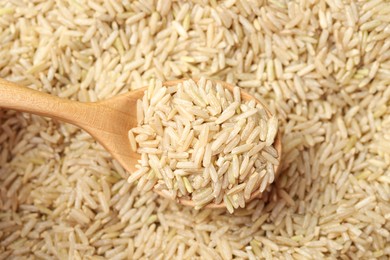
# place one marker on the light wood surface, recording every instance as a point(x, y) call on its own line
point(107, 121)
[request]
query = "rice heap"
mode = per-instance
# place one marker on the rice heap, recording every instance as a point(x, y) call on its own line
point(322, 66)
point(200, 142)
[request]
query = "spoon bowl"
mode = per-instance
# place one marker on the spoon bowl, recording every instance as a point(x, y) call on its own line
point(277, 144)
point(107, 121)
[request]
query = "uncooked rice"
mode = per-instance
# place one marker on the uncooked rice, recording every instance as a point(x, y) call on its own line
point(56, 176)
point(213, 158)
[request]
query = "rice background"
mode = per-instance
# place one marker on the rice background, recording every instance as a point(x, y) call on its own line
point(323, 66)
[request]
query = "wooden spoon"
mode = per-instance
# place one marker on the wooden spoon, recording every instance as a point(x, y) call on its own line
point(108, 121)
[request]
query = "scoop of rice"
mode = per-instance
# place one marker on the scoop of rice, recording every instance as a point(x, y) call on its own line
point(201, 142)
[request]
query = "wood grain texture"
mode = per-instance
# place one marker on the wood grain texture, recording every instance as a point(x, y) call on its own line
point(107, 121)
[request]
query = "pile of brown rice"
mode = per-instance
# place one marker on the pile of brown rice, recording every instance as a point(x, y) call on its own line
point(323, 66)
point(201, 142)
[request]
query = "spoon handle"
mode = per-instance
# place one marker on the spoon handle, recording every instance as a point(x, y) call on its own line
point(16, 97)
